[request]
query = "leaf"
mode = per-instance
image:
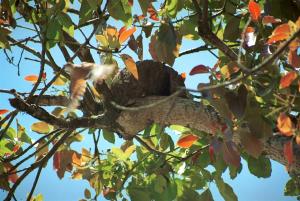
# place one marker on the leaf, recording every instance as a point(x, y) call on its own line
point(172, 7)
point(230, 154)
point(124, 35)
point(60, 81)
point(21, 133)
point(237, 103)
point(199, 69)
point(87, 194)
point(254, 10)
point(288, 152)
point(130, 65)
point(165, 44)
point(153, 13)
point(225, 190)
point(206, 196)
point(260, 167)
point(281, 32)
point(294, 58)
point(292, 187)
point(34, 78)
point(120, 10)
point(41, 127)
point(270, 20)
point(232, 30)
point(285, 125)
point(287, 79)
point(229, 69)
point(3, 111)
point(108, 136)
point(187, 141)
point(298, 140)
point(144, 4)
point(251, 143)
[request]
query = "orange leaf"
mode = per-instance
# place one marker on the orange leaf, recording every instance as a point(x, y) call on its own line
point(288, 152)
point(125, 34)
point(130, 65)
point(199, 69)
point(122, 30)
point(254, 10)
point(270, 19)
point(281, 32)
point(56, 160)
point(287, 79)
point(183, 75)
point(3, 111)
point(285, 125)
point(130, 2)
point(187, 141)
point(298, 139)
point(34, 78)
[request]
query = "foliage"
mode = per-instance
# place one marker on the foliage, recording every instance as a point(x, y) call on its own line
point(254, 87)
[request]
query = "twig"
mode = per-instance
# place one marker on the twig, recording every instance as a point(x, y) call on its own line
point(243, 39)
point(202, 48)
point(35, 182)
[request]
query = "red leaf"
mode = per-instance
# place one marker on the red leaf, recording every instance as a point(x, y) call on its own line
point(56, 160)
point(187, 141)
point(125, 34)
point(270, 19)
point(152, 12)
point(254, 10)
point(288, 152)
point(199, 69)
point(230, 154)
point(3, 111)
point(285, 125)
point(294, 59)
point(130, 2)
point(287, 79)
point(281, 32)
point(122, 30)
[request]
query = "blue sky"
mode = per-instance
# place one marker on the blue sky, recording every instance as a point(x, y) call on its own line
point(246, 186)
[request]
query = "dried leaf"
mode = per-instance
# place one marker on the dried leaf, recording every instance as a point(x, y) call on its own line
point(254, 10)
point(130, 65)
point(187, 141)
point(287, 79)
point(294, 58)
point(285, 125)
point(199, 69)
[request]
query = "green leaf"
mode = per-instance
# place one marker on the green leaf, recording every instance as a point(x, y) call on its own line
point(3, 147)
point(53, 33)
point(206, 196)
point(85, 12)
point(188, 28)
point(172, 7)
point(292, 187)
point(189, 194)
point(66, 23)
point(10, 133)
point(260, 167)
point(232, 31)
point(108, 136)
point(225, 190)
point(144, 4)
point(120, 10)
point(160, 184)
point(41, 127)
point(136, 193)
point(3, 38)
point(179, 128)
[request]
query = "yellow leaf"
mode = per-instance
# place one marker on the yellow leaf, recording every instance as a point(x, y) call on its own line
point(41, 127)
point(60, 81)
point(130, 65)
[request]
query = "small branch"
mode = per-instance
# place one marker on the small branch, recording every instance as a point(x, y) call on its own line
point(35, 181)
point(243, 39)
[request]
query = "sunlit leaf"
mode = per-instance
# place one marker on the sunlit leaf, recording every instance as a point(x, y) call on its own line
point(199, 69)
point(254, 10)
point(187, 141)
point(41, 127)
point(285, 125)
point(124, 35)
point(281, 32)
point(3, 111)
point(60, 81)
point(288, 152)
point(287, 79)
